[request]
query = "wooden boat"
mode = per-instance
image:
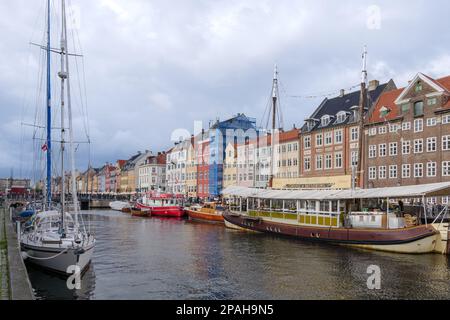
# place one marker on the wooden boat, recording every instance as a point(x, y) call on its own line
point(347, 217)
point(210, 212)
point(162, 205)
point(126, 210)
point(139, 212)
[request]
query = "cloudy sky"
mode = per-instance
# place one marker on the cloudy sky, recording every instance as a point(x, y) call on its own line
point(154, 66)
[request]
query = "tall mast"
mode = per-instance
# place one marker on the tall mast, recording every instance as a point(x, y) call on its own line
point(49, 117)
point(274, 113)
point(63, 75)
point(69, 110)
point(362, 106)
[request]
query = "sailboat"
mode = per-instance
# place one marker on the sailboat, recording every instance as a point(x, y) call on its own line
point(55, 238)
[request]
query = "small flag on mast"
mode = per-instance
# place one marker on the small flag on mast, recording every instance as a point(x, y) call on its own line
point(44, 147)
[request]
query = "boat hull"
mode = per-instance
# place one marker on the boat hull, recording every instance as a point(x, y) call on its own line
point(204, 216)
point(420, 239)
point(140, 213)
point(118, 205)
point(165, 211)
point(39, 257)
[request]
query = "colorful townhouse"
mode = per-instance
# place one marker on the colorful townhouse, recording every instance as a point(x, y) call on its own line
point(220, 134)
point(330, 139)
point(287, 160)
point(230, 165)
point(152, 173)
point(203, 169)
point(408, 135)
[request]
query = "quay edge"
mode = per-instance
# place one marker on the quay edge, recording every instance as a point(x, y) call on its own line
point(19, 282)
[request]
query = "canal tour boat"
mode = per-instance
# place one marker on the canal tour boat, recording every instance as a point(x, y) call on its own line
point(210, 212)
point(364, 218)
point(162, 205)
point(56, 238)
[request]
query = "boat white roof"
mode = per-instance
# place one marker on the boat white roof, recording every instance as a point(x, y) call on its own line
point(413, 191)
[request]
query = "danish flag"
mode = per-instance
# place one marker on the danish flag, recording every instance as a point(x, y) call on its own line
point(44, 147)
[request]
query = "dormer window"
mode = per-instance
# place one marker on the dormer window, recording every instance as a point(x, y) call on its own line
point(418, 87)
point(384, 111)
point(325, 120)
point(340, 117)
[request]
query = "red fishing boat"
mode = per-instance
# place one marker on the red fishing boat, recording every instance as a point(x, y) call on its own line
point(162, 205)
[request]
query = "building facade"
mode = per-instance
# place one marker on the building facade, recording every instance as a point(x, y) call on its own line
point(408, 135)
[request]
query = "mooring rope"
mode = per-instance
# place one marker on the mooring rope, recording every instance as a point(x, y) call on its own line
point(48, 258)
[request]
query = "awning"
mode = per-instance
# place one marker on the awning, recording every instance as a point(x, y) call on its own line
point(414, 191)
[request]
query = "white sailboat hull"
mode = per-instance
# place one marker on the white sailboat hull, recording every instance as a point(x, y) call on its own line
point(118, 205)
point(54, 260)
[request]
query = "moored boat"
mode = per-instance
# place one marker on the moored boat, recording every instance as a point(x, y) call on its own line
point(162, 205)
point(139, 212)
point(210, 212)
point(361, 218)
point(119, 205)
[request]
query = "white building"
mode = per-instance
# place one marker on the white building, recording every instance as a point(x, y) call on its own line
point(152, 173)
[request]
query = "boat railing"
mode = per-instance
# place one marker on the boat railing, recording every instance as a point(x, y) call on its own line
point(302, 216)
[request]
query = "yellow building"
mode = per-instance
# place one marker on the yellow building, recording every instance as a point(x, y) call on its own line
point(287, 160)
point(230, 166)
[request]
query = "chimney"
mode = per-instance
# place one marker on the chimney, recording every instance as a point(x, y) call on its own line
point(342, 93)
point(373, 84)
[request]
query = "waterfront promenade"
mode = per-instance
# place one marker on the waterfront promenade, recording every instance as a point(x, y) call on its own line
point(14, 282)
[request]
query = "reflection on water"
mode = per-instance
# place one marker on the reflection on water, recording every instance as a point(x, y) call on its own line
point(158, 258)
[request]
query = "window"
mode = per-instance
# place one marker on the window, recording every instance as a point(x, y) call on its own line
point(418, 86)
point(354, 156)
point(384, 111)
point(372, 131)
point(319, 164)
point(338, 160)
point(445, 143)
point(328, 161)
point(406, 147)
point(406, 170)
point(382, 130)
point(431, 122)
point(382, 172)
point(319, 141)
point(340, 117)
point(372, 151)
point(418, 108)
point(382, 150)
point(393, 127)
point(328, 138)
point(445, 168)
point(325, 120)
point(295, 146)
point(392, 171)
point(307, 142)
point(372, 173)
point(418, 170)
point(354, 133)
point(431, 144)
point(405, 108)
point(446, 119)
point(418, 125)
point(431, 101)
point(418, 145)
point(393, 148)
point(431, 169)
point(406, 126)
point(338, 136)
point(307, 164)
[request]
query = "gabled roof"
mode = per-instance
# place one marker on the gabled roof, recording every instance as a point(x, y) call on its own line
point(391, 98)
point(435, 84)
point(343, 103)
point(240, 121)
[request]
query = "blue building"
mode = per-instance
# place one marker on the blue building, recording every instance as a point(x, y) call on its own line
point(222, 132)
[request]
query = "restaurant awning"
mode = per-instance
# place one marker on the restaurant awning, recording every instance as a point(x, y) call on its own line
point(413, 191)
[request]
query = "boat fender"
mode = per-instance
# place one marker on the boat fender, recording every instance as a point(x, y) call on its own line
point(24, 255)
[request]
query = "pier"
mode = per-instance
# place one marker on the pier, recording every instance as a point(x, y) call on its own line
point(14, 281)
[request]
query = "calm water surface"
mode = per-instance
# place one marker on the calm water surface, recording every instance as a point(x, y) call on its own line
point(156, 258)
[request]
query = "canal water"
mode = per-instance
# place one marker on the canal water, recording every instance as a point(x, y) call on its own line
point(155, 258)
